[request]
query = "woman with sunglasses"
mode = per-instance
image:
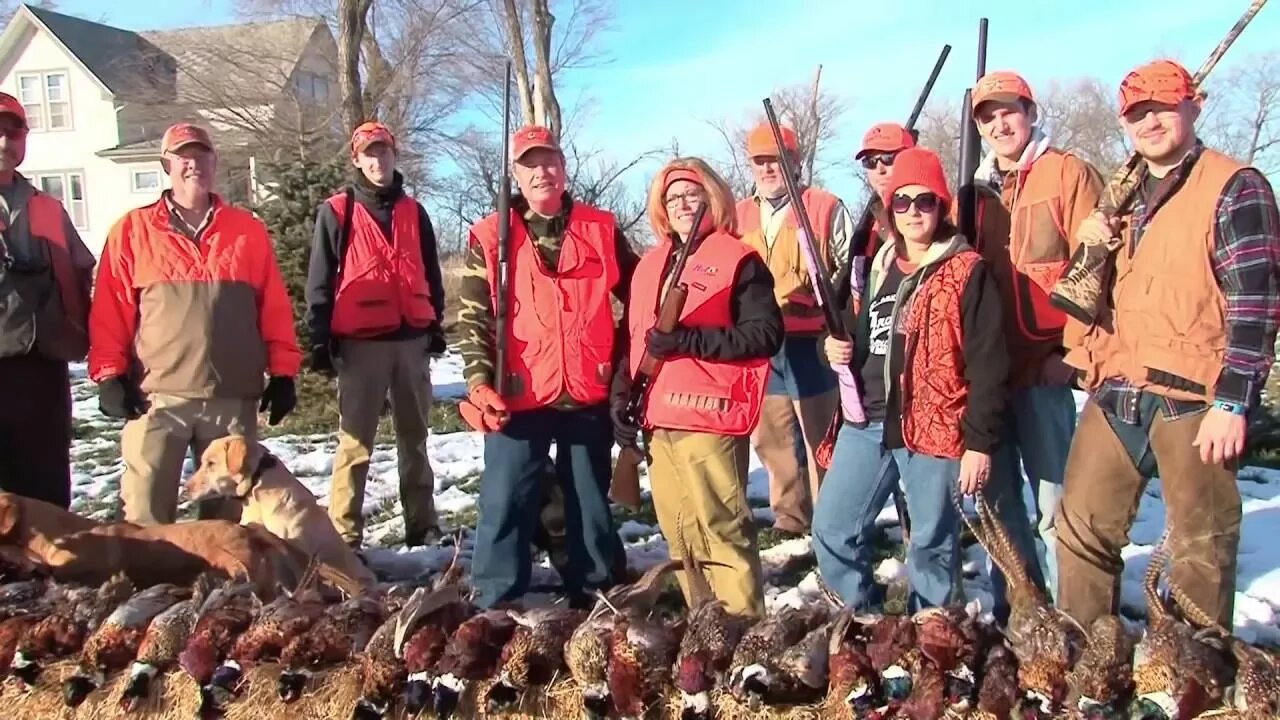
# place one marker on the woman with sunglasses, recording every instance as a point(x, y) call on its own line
point(929, 347)
point(705, 397)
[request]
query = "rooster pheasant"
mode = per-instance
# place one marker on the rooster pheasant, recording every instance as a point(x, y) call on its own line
point(472, 654)
point(754, 665)
point(165, 637)
point(1101, 684)
point(381, 672)
point(534, 655)
point(711, 636)
point(425, 633)
point(344, 630)
point(65, 630)
point(228, 612)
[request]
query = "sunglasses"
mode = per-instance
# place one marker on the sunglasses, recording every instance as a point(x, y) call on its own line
point(925, 202)
point(870, 161)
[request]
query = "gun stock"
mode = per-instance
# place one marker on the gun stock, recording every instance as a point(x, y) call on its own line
point(502, 308)
point(1081, 292)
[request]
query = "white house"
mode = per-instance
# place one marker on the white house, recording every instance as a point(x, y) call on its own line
point(98, 99)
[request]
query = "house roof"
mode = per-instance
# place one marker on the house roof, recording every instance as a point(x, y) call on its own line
point(121, 60)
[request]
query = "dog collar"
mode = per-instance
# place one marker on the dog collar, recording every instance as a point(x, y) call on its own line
point(268, 461)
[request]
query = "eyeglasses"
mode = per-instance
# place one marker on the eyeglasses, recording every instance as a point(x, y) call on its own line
point(870, 161)
point(925, 202)
point(693, 198)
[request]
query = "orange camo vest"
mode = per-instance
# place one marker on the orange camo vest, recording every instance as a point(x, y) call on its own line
point(688, 393)
point(932, 409)
point(792, 288)
point(383, 282)
point(1168, 314)
point(561, 329)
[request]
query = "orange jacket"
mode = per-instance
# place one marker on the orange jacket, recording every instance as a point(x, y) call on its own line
point(689, 393)
point(383, 281)
point(801, 313)
point(560, 334)
point(203, 318)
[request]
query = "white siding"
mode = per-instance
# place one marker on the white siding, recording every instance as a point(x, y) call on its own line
point(54, 156)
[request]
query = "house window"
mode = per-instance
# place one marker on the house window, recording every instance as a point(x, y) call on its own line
point(146, 181)
point(47, 99)
point(313, 87)
point(68, 187)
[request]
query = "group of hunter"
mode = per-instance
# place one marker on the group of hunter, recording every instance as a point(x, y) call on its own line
point(965, 367)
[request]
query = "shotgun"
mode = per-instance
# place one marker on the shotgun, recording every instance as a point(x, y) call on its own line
point(1083, 287)
point(502, 306)
point(625, 486)
point(970, 153)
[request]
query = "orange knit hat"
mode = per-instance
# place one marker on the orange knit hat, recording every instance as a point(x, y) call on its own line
point(918, 166)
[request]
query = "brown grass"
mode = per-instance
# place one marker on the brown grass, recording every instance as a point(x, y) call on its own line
point(451, 274)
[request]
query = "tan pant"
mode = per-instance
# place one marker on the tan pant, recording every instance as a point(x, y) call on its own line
point(705, 476)
point(1100, 501)
point(155, 446)
point(367, 370)
point(774, 439)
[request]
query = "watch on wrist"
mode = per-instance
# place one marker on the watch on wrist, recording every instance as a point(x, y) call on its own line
point(1233, 408)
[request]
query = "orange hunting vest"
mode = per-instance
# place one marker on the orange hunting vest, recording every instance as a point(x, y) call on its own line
point(688, 393)
point(561, 328)
point(384, 282)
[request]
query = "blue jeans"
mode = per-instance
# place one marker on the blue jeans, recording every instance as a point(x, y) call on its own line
point(855, 490)
point(1039, 424)
point(509, 505)
point(799, 371)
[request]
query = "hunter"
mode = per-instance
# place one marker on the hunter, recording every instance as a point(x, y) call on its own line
point(566, 260)
point(190, 317)
point(374, 303)
point(706, 396)
point(880, 146)
point(1176, 361)
point(929, 349)
point(801, 387)
point(46, 274)
point(1037, 196)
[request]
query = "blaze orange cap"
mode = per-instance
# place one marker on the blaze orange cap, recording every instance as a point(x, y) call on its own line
point(9, 105)
point(530, 137)
point(369, 133)
point(885, 137)
point(1162, 81)
point(183, 134)
point(1001, 86)
point(760, 140)
point(677, 174)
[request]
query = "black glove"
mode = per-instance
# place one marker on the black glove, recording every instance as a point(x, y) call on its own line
point(624, 432)
point(322, 360)
point(436, 344)
point(119, 397)
point(664, 345)
point(280, 397)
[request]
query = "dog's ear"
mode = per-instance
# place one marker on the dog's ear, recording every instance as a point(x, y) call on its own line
point(237, 455)
point(10, 515)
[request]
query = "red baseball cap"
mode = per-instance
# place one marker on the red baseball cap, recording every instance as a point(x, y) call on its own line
point(180, 135)
point(1000, 86)
point(369, 133)
point(760, 140)
point(530, 137)
point(1162, 81)
point(886, 137)
point(9, 105)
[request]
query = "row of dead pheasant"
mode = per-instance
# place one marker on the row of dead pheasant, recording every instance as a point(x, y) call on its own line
point(418, 649)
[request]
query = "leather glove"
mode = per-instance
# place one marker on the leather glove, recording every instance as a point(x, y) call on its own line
point(436, 345)
point(119, 397)
point(664, 345)
point(279, 398)
point(322, 360)
point(624, 431)
point(484, 409)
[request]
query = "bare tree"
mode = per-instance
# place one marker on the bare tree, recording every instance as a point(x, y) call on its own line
point(352, 18)
point(1080, 115)
point(939, 130)
point(1242, 113)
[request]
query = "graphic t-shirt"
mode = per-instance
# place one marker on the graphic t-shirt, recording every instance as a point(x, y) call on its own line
point(882, 335)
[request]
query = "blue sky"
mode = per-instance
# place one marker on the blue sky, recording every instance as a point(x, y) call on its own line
point(673, 65)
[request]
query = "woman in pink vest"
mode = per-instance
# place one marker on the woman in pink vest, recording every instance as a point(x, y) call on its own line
point(707, 388)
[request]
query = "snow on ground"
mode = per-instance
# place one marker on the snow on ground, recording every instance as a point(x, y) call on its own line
point(457, 460)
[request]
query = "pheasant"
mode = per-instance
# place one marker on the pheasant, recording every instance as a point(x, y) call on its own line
point(421, 635)
point(114, 644)
point(1047, 641)
point(1101, 684)
point(165, 637)
point(382, 674)
point(65, 630)
point(16, 597)
point(711, 636)
point(642, 651)
point(534, 655)
point(1256, 692)
point(998, 691)
point(1178, 671)
point(892, 650)
point(472, 654)
point(853, 683)
point(344, 630)
point(753, 668)
point(951, 644)
point(225, 615)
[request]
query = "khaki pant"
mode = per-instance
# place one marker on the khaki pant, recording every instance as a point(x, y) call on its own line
point(1105, 477)
point(705, 477)
point(774, 439)
point(367, 370)
point(155, 446)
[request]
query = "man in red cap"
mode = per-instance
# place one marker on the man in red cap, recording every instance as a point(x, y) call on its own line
point(802, 388)
point(1177, 361)
point(374, 302)
point(46, 273)
point(1036, 195)
point(190, 318)
point(880, 146)
point(565, 261)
